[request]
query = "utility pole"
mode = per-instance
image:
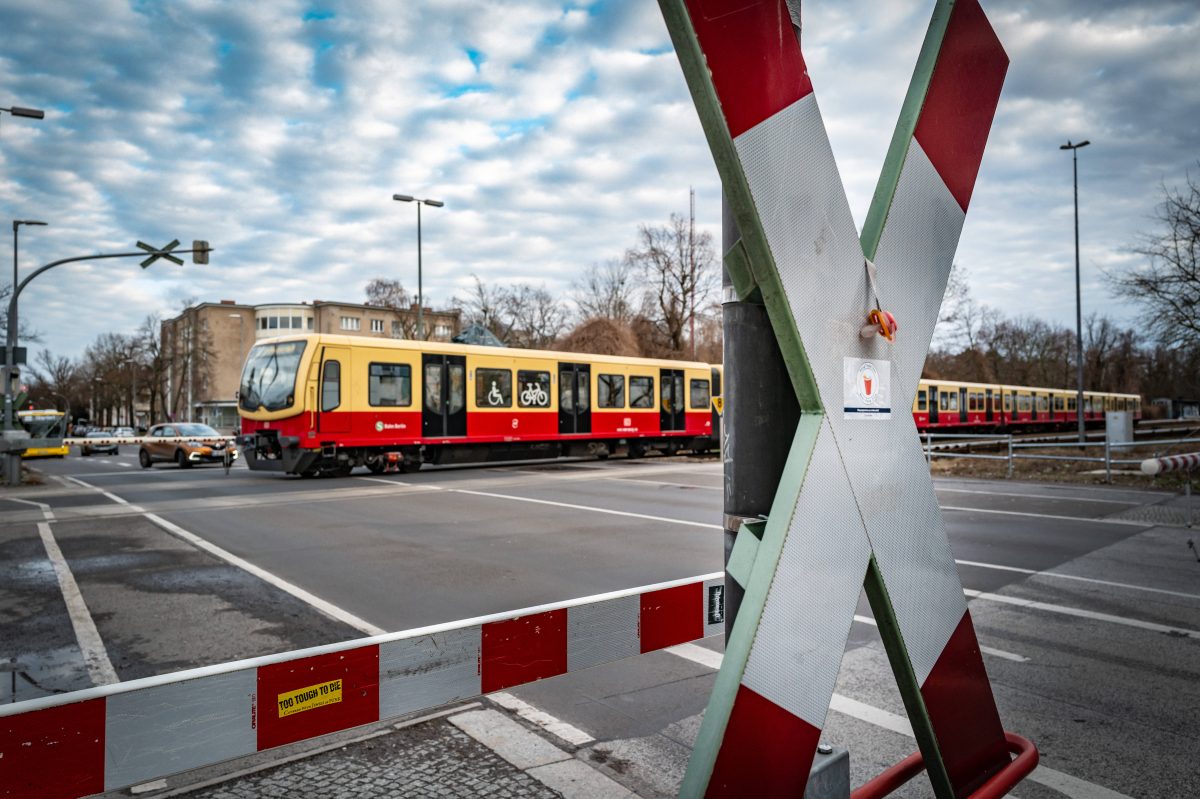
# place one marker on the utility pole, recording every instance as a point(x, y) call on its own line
point(758, 401)
point(1074, 148)
point(692, 261)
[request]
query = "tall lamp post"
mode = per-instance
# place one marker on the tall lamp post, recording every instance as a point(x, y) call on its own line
point(1074, 148)
point(405, 198)
point(16, 227)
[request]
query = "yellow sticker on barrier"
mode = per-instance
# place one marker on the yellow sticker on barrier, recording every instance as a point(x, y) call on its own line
point(314, 696)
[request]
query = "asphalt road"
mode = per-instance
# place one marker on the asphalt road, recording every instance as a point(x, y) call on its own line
point(161, 559)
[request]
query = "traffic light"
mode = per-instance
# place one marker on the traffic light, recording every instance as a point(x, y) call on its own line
point(200, 254)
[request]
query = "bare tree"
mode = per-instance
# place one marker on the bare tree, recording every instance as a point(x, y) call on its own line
point(1167, 286)
point(679, 267)
point(391, 294)
point(154, 363)
point(488, 307)
point(537, 318)
point(606, 291)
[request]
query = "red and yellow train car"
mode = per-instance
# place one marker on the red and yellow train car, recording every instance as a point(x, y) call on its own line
point(947, 405)
point(319, 404)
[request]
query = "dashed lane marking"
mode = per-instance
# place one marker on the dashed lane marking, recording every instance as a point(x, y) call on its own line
point(987, 650)
point(1064, 783)
point(1083, 614)
point(328, 608)
point(593, 509)
point(1061, 576)
point(95, 656)
point(1035, 496)
point(1047, 516)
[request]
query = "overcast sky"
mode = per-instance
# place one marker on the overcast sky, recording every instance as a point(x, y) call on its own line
point(280, 130)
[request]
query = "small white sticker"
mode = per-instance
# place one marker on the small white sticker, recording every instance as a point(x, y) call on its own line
point(866, 389)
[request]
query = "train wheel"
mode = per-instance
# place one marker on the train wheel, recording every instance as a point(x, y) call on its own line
point(376, 464)
point(182, 459)
point(635, 451)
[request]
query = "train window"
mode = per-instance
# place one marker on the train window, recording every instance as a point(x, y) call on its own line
point(458, 387)
point(1058, 403)
point(1070, 403)
point(641, 392)
point(953, 401)
point(944, 400)
point(331, 385)
point(389, 384)
point(493, 388)
point(1043, 404)
point(610, 391)
point(699, 397)
point(534, 389)
point(922, 400)
point(433, 387)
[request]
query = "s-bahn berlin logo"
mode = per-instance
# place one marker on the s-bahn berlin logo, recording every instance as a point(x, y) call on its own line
point(867, 389)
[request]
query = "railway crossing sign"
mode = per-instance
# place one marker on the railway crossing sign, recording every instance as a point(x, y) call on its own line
point(855, 505)
point(160, 252)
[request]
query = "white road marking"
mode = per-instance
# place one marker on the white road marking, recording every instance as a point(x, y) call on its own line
point(987, 650)
point(126, 465)
point(328, 608)
point(47, 511)
point(660, 482)
point(1066, 784)
point(1061, 576)
point(95, 656)
point(1083, 614)
point(402, 483)
point(1048, 516)
point(1035, 496)
point(551, 724)
point(610, 511)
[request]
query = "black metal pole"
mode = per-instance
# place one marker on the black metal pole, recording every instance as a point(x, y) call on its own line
point(1078, 302)
point(420, 293)
point(760, 412)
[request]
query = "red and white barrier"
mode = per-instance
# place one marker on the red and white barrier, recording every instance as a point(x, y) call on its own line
point(136, 440)
point(111, 737)
point(1171, 463)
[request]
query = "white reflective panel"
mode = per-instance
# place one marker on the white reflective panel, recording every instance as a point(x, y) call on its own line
point(431, 670)
point(603, 632)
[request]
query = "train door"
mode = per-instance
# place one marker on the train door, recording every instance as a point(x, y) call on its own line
point(444, 395)
point(671, 399)
point(933, 404)
point(989, 409)
point(1033, 405)
point(335, 390)
point(962, 405)
point(1015, 408)
point(574, 398)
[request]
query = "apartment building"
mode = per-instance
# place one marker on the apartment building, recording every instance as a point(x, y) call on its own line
point(205, 346)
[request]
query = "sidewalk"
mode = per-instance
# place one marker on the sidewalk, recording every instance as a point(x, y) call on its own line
point(476, 749)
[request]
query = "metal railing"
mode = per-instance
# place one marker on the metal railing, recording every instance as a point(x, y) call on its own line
point(1014, 447)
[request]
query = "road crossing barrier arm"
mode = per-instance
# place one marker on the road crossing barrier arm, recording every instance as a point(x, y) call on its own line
point(111, 737)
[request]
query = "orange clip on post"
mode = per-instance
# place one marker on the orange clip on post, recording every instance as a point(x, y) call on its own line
point(883, 323)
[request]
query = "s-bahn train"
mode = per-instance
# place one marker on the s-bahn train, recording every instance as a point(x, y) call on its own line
point(321, 405)
point(948, 405)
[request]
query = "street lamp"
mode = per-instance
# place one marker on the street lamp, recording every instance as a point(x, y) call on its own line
point(28, 113)
point(16, 227)
point(1074, 148)
point(405, 198)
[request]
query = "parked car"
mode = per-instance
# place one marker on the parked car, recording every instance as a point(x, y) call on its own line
point(108, 448)
point(124, 432)
point(185, 453)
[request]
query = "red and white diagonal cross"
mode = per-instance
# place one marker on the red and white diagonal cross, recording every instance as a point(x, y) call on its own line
point(857, 484)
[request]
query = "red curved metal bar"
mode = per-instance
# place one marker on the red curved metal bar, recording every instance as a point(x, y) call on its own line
point(1001, 783)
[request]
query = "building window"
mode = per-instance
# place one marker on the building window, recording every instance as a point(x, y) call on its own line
point(310, 323)
point(641, 392)
point(396, 333)
point(390, 384)
point(610, 391)
point(376, 325)
point(534, 389)
point(493, 388)
point(351, 323)
point(699, 398)
point(442, 331)
point(272, 322)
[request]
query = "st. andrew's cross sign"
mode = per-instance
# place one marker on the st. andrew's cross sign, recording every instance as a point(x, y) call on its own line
point(855, 504)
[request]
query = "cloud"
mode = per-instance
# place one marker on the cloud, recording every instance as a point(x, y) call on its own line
point(279, 131)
